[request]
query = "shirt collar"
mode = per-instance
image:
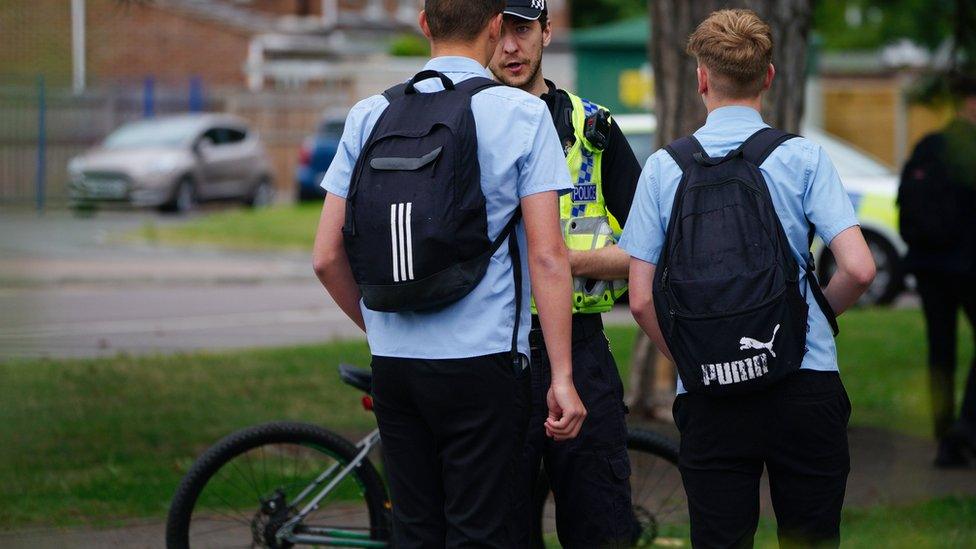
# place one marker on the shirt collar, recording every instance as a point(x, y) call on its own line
point(457, 64)
point(723, 115)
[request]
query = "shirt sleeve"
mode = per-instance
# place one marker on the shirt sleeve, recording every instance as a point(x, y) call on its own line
point(544, 167)
point(620, 171)
point(643, 236)
point(337, 178)
point(825, 202)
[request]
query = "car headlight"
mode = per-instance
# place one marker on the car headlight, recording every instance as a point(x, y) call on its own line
point(162, 165)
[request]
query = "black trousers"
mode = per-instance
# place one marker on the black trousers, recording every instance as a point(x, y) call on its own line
point(589, 475)
point(797, 429)
point(943, 295)
point(453, 433)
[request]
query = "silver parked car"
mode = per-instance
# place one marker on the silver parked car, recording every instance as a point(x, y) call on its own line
point(173, 162)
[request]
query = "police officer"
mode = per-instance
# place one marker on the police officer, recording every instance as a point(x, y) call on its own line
point(451, 407)
point(589, 476)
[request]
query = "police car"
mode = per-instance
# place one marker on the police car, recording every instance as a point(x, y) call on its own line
point(871, 186)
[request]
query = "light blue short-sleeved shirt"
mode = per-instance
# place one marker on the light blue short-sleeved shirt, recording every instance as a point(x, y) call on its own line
point(519, 155)
point(805, 189)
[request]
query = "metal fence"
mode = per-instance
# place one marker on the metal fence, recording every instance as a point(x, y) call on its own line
point(42, 128)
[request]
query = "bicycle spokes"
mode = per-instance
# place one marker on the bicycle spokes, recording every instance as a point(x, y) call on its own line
point(251, 498)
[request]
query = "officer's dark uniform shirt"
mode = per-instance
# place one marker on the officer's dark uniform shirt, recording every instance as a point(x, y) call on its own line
point(620, 169)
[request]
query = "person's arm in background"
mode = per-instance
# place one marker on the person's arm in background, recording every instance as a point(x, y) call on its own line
point(620, 172)
point(642, 303)
point(552, 288)
point(331, 263)
point(542, 175)
point(828, 207)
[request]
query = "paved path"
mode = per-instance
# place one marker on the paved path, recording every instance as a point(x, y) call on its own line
point(70, 288)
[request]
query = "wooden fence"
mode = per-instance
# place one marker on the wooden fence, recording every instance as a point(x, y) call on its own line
point(875, 115)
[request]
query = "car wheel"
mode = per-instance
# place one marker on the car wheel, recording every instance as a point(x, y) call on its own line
point(184, 198)
point(262, 196)
point(890, 278)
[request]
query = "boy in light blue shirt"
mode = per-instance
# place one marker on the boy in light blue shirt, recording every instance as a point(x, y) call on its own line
point(452, 411)
point(796, 429)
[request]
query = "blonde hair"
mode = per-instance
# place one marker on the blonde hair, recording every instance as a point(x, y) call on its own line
point(737, 46)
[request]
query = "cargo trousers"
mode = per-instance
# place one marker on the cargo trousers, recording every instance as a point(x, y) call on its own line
point(590, 475)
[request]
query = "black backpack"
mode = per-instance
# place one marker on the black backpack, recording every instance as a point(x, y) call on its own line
point(726, 288)
point(416, 228)
point(935, 210)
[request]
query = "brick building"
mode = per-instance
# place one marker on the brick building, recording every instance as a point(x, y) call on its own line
point(226, 43)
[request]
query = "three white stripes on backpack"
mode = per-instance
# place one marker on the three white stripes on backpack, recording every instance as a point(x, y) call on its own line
point(401, 241)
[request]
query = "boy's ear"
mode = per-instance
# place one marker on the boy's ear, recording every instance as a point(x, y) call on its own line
point(424, 27)
point(702, 80)
point(770, 74)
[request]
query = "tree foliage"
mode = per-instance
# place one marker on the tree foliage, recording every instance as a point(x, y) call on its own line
point(868, 24)
point(589, 13)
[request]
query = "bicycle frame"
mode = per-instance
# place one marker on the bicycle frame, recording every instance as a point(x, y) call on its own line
point(312, 535)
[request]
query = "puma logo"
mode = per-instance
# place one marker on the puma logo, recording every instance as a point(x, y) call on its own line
point(749, 343)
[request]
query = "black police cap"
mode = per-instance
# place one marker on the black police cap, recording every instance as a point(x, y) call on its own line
point(526, 9)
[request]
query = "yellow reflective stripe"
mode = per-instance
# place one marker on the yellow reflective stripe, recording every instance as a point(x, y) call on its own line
point(878, 208)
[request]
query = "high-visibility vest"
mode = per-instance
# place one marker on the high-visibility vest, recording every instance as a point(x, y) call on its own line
point(583, 214)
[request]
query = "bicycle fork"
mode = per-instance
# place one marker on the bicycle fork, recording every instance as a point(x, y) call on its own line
point(329, 536)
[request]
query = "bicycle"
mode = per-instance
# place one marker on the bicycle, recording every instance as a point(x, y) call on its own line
point(282, 484)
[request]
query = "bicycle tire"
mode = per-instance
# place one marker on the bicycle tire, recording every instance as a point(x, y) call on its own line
point(641, 441)
point(251, 438)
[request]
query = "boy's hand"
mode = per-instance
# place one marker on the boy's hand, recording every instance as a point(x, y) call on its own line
point(566, 411)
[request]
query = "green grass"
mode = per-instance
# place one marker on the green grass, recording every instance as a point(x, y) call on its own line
point(106, 439)
point(277, 228)
point(882, 355)
point(947, 522)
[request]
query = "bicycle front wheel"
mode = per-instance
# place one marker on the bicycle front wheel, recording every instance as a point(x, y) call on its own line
point(249, 489)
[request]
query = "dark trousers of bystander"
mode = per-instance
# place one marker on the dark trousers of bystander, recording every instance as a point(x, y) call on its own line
point(797, 429)
point(943, 295)
point(453, 433)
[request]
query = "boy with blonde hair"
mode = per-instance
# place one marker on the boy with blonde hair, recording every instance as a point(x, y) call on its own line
point(777, 400)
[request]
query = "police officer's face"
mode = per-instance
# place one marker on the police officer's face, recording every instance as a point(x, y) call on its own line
point(518, 54)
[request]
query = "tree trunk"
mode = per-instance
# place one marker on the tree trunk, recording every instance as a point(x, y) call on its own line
point(680, 112)
point(679, 108)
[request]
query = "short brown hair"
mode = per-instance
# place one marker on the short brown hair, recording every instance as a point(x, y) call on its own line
point(458, 20)
point(737, 46)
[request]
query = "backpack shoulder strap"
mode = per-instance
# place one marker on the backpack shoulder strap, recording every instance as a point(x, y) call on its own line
point(477, 84)
point(395, 92)
point(683, 151)
point(762, 143)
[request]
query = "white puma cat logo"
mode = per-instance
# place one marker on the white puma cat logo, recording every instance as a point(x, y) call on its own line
point(749, 343)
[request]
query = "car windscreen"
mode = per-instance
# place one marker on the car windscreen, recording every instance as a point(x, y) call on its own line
point(849, 161)
point(152, 133)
